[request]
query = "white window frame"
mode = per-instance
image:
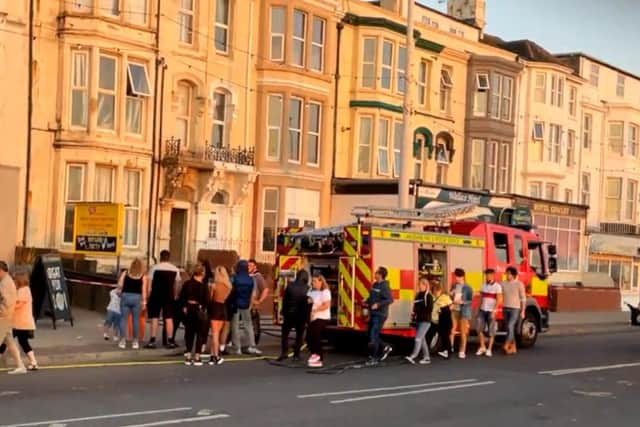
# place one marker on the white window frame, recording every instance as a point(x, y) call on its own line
point(557, 90)
point(491, 164)
point(398, 137)
point(568, 195)
point(538, 131)
point(573, 101)
point(186, 33)
point(264, 212)
point(594, 75)
point(614, 213)
point(633, 134)
point(551, 191)
point(137, 16)
point(585, 184)
point(274, 128)
point(369, 81)
point(83, 87)
point(571, 148)
point(478, 166)
point(482, 82)
point(615, 144)
point(137, 96)
point(421, 81)
point(132, 208)
point(296, 130)
point(223, 26)
point(187, 118)
point(109, 92)
point(300, 39)
point(68, 201)
point(620, 86)
point(631, 200)
point(384, 67)
point(587, 131)
point(554, 143)
point(382, 145)
point(503, 167)
point(540, 89)
point(506, 101)
point(216, 121)
point(401, 73)
point(535, 189)
point(367, 144)
point(113, 170)
point(446, 86)
point(314, 133)
point(280, 36)
point(318, 46)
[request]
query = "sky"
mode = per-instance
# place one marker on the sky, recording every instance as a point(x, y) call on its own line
point(606, 29)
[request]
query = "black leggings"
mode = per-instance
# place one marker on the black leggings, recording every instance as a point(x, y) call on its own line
point(444, 330)
point(291, 322)
point(314, 336)
point(196, 328)
point(23, 338)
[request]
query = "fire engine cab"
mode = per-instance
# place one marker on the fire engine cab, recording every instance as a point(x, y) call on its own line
point(413, 243)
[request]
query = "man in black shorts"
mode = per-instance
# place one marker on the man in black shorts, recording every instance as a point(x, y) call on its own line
point(164, 278)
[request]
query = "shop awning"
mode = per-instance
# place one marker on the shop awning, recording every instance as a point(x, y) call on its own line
point(607, 244)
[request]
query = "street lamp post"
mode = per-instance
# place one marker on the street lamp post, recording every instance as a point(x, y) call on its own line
point(406, 150)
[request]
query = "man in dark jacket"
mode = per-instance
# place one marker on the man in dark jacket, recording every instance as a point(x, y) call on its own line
point(295, 310)
point(242, 288)
point(378, 304)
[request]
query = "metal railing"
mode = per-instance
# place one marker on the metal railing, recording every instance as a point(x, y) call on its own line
point(225, 154)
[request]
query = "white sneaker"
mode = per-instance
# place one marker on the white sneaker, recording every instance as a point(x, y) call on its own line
point(315, 364)
point(135, 345)
point(425, 362)
point(313, 358)
point(444, 354)
point(480, 352)
point(461, 355)
point(116, 338)
point(122, 344)
point(18, 371)
point(254, 351)
point(410, 360)
point(488, 353)
point(106, 336)
point(386, 352)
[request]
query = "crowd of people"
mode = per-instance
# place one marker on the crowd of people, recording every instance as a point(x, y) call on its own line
point(210, 303)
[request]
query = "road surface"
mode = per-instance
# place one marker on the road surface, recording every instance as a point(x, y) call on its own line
point(581, 380)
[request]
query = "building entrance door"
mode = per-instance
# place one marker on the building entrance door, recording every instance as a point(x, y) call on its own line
point(178, 234)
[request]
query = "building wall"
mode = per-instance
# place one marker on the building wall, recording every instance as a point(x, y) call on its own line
point(13, 121)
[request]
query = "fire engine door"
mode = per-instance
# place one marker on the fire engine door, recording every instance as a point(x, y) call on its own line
point(346, 292)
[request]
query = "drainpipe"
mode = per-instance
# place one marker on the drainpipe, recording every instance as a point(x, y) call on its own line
point(339, 26)
point(159, 141)
point(27, 179)
point(154, 142)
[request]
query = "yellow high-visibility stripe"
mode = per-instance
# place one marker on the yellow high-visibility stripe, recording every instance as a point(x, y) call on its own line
point(441, 239)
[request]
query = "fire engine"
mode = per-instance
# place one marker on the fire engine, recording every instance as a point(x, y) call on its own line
point(413, 243)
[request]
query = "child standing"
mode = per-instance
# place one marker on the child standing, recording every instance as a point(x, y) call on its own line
point(112, 322)
point(421, 313)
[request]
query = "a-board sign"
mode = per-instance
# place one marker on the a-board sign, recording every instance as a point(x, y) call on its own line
point(51, 294)
point(97, 228)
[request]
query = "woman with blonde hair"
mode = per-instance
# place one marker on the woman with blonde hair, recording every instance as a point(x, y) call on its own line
point(133, 286)
point(320, 300)
point(218, 315)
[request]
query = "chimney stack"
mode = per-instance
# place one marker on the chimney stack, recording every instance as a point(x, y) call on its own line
point(471, 11)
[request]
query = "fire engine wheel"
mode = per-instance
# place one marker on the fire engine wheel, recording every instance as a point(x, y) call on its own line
point(528, 333)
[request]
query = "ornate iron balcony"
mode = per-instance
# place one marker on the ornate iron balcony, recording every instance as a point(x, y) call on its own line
point(239, 156)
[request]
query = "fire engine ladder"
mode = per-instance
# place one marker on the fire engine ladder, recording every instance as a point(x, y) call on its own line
point(433, 215)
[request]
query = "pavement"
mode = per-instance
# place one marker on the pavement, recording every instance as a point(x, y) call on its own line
point(581, 380)
point(83, 343)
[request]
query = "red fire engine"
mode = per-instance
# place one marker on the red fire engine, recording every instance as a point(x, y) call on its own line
point(411, 243)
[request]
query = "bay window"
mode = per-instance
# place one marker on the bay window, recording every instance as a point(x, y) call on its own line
point(423, 71)
point(613, 199)
point(132, 186)
point(186, 18)
point(278, 31)
point(398, 137)
point(299, 38)
point(616, 131)
point(632, 145)
point(107, 93)
point(138, 91)
point(632, 197)
point(383, 147)
point(295, 129)
point(75, 184)
point(446, 85)
point(221, 31)
point(275, 105)
point(79, 88)
point(401, 71)
point(317, 44)
point(386, 69)
point(270, 208)
point(314, 111)
point(104, 184)
point(364, 144)
point(369, 63)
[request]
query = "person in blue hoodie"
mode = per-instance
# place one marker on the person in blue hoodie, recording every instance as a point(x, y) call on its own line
point(378, 305)
point(242, 285)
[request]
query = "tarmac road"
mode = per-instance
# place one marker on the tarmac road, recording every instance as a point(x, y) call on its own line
point(588, 380)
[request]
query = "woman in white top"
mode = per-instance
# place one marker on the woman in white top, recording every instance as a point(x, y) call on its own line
point(320, 300)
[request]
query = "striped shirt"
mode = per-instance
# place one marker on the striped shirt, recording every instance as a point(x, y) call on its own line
point(490, 292)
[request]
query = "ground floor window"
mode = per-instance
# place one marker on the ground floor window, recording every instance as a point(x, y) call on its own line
point(623, 272)
point(564, 232)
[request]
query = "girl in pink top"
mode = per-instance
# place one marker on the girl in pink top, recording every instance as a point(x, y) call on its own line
point(23, 323)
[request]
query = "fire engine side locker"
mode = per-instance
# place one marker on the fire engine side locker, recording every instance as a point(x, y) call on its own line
point(346, 292)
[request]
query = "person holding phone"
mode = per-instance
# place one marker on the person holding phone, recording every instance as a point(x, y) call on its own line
point(461, 311)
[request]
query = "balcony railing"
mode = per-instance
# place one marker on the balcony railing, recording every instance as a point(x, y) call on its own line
point(618, 228)
point(238, 156)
